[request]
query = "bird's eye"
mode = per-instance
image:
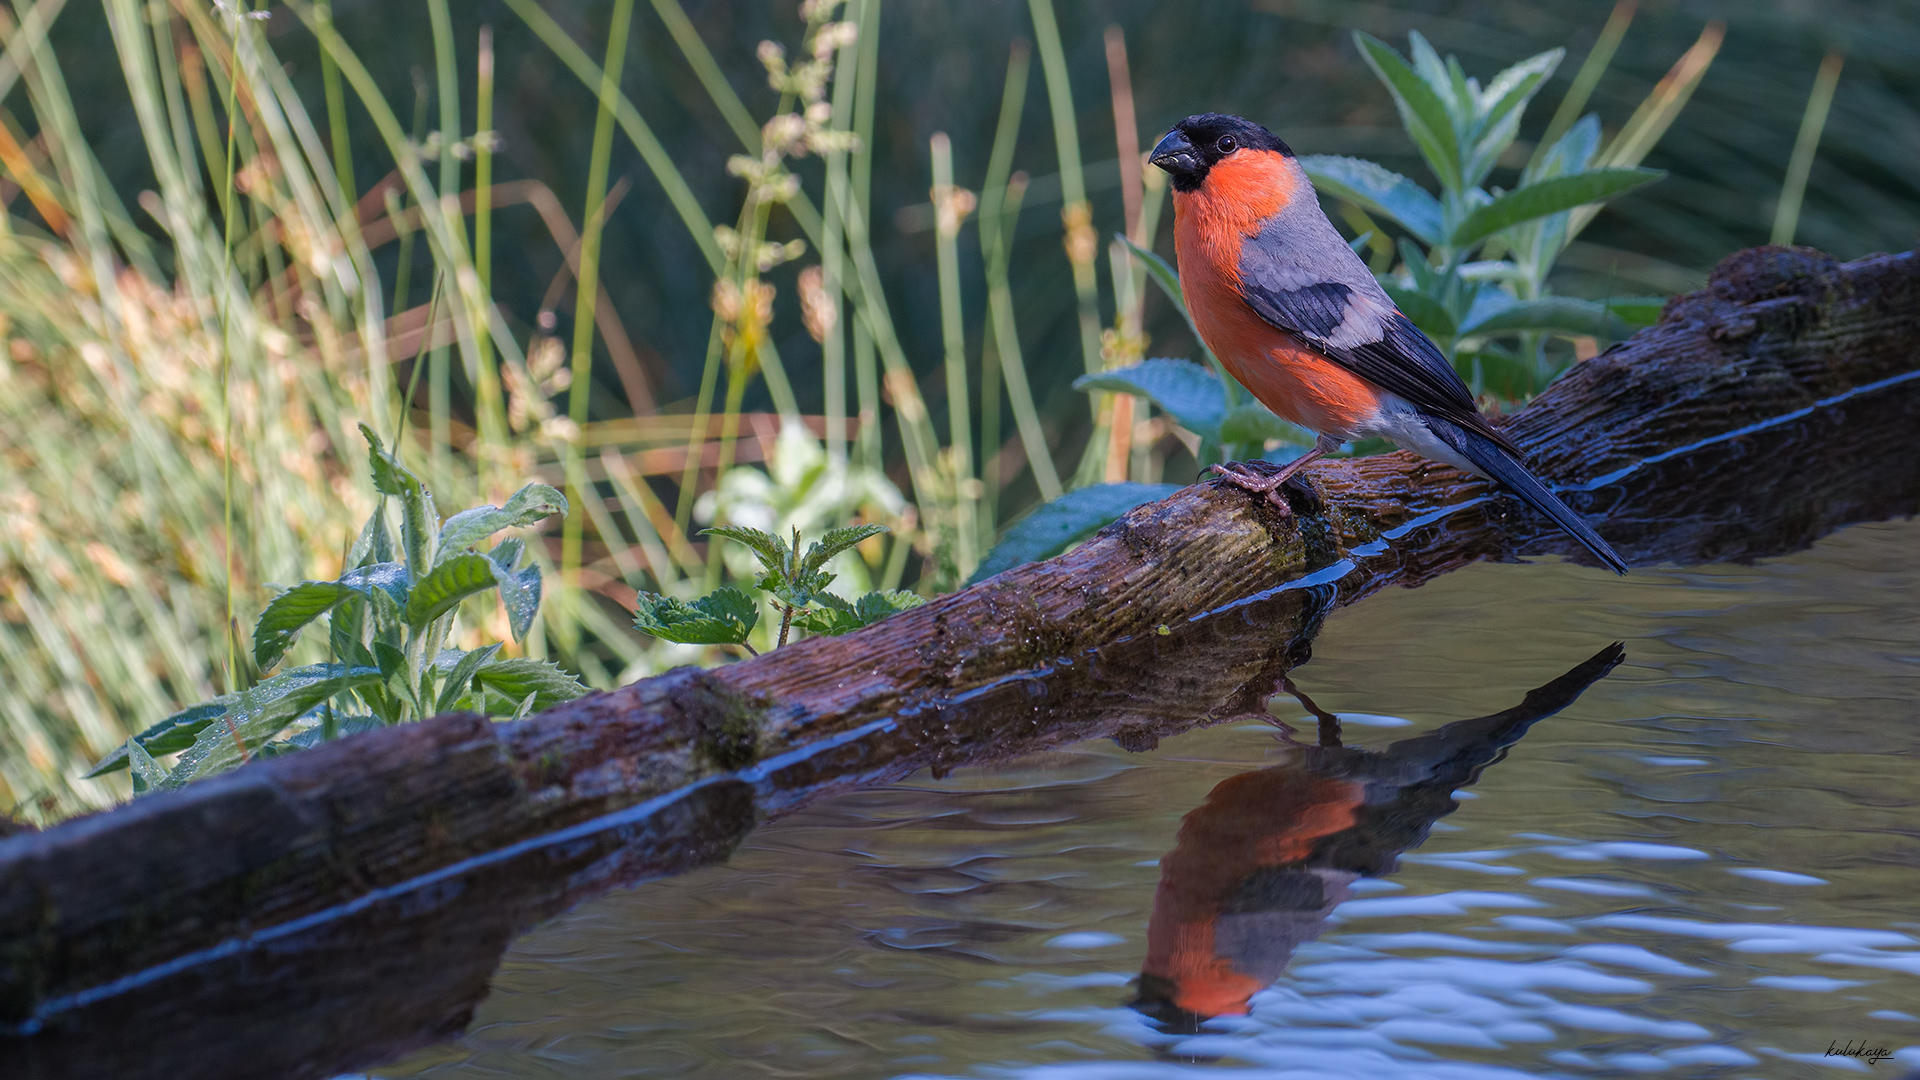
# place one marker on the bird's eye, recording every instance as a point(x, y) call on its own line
point(1227, 145)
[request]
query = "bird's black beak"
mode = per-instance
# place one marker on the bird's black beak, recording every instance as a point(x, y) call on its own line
point(1177, 155)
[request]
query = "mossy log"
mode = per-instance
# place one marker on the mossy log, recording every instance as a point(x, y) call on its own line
point(253, 912)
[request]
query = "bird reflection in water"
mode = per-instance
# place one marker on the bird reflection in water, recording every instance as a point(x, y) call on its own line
point(1258, 868)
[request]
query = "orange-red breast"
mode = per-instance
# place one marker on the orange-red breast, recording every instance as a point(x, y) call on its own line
point(1299, 320)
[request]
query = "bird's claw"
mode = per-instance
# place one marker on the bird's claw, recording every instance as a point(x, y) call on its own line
point(1258, 485)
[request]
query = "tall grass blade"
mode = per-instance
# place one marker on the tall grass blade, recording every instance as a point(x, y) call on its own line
point(1655, 115)
point(1077, 213)
point(951, 207)
point(1786, 218)
point(1588, 77)
point(659, 161)
point(1006, 339)
point(587, 287)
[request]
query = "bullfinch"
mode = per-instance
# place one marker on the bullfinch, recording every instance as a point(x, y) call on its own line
point(1298, 319)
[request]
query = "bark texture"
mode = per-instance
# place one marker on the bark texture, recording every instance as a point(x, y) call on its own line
point(252, 911)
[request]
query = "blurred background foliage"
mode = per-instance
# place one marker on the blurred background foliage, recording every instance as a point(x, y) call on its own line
point(158, 394)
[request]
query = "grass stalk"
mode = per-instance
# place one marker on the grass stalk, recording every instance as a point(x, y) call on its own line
point(439, 393)
point(707, 70)
point(1006, 340)
point(659, 161)
point(446, 70)
point(336, 99)
point(1655, 115)
point(859, 194)
point(916, 427)
point(587, 285)
point(951, 206)
point(737, 380)
point(866, 378)
point(867, 80)
point(992, 201)
point(1076, 212)
point(833, 346)
point(642, 510)
point(1126, 291)
point(1126, 127)
point(1588, 77)
point(226, 373)
point(1000, 199)
point(697, 434)
point(483, 182)
point(1786, 218)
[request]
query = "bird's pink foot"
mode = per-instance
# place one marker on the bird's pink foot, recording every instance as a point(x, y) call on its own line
point(1247, 480)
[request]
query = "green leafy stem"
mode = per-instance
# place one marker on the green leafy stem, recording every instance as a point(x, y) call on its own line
point(389, 617)
point(796, 581)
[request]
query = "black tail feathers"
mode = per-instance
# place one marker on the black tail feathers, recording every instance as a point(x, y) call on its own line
point(1500, 464)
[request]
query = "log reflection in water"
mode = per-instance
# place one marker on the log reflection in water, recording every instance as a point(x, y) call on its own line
point(1259, 867)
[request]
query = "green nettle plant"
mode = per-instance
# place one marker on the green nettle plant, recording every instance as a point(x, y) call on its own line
point(1474, 260)
point(797, 583)
point(388, 621)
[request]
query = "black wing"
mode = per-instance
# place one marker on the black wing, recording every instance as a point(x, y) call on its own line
point(1402, 361)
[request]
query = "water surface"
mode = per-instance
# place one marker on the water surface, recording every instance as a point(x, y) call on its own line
point(1706, 865)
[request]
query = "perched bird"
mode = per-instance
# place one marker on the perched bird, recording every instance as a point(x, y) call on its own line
point(1299, 320)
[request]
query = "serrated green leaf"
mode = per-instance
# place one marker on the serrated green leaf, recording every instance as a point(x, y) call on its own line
point(1550, 196)
point(835, 542)
point(1423, 111)
point(389, 617)
point(345, 725)
point(1054, 526)
point(1511, 90)
point(375, 544)
point(801, 589)
point(460, 674)
point(388, 577)
point(289, 613)
point(1377, 190)
point(519, 679)
point(387, 476)
point(836, 616)
point(772, 551)
point(169, 736)
point(344, 632)
point(878, 605)
point(258, 714)
point(520, 593)
point(833, 618)
point(391, 661)
point(418, 521)
point(1189, 393)
point(1498, 110)
point(446, 585)
point(147, 773)
point(1255, 423)
point(1555, 314)
point(506, 554)
point(723, 617)
point(528, 506)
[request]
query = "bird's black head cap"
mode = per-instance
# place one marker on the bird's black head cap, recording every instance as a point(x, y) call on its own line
point(1198, 143)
